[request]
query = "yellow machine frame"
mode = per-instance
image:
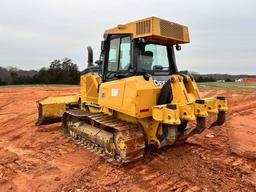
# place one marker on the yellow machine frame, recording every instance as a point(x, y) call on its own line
point(134, 99)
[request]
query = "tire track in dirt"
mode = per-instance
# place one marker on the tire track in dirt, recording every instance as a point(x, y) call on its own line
point(5, 105)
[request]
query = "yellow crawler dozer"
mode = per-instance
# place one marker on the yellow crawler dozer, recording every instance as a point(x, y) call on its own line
point(134, 96)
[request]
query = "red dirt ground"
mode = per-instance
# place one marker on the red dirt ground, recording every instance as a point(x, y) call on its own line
point(42, 159)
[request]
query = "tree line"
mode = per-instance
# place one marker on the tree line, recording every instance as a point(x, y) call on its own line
point(213, 77)
point(59, 72)
point(64, 71)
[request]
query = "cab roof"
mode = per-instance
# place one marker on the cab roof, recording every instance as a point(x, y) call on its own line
point(153, 29)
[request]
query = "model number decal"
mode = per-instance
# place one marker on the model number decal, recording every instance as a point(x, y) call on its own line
point(159, 83)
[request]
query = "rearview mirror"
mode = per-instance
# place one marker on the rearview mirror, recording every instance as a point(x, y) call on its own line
point(98, 62)
point(178, 47)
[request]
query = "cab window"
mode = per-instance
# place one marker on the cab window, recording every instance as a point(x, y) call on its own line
point(125, 53)
point(153, 57)
point(113, 55)
point(119, 57)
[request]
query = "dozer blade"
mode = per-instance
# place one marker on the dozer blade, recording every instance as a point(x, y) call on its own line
point(51, 109)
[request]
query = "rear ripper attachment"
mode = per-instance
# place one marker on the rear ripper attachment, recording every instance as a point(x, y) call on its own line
point(118, 141)
point(187, 106)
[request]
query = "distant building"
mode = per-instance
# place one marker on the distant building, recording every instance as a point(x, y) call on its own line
point(222, 81)
point(247, 79)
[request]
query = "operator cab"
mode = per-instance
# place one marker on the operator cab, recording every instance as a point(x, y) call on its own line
point(143, 47)
point(124, 56)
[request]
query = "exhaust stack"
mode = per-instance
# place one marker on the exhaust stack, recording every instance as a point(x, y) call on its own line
point(90, 56)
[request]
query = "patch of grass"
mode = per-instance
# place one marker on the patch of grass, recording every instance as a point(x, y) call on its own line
point(227, 85)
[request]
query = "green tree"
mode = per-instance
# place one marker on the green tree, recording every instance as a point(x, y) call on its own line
point(63, 72)
point(59, 72)
point(2, 82)
point(15, 77)
point(42, 77)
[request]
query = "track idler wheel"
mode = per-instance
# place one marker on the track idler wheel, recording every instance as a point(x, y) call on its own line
point(65, 119)
point(129, 144)
point(120, 145)
point(68, 122)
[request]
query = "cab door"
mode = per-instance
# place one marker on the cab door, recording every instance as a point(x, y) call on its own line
point(118, 57)
point(118, 61)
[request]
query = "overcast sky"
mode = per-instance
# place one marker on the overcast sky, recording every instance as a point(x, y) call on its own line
point(34, 32)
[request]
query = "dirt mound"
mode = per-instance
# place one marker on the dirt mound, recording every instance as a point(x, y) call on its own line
point(42, 159)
